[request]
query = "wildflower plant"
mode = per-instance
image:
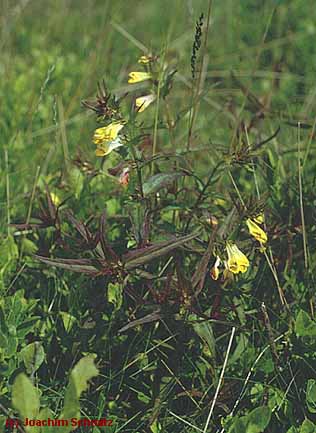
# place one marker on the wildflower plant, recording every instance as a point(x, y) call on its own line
point(147, 187)
point(163, 240)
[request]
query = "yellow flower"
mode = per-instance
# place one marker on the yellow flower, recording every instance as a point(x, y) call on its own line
point(136, 77)
point(55, 199)
point(256, 231)
point(106, 147)
point(143, 102)
point(215, 269)
point(259, 219)
point(144, 60)
point(237, 261)
point(107, 133)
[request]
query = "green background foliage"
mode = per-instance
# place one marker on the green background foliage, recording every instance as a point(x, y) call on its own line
point(139, 333)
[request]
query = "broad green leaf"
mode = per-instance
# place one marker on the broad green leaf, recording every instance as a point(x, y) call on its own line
point(44, 414)
point(292, 430)
point(115, 297)
point(25, 399)
point(159, 181)
point(238, 426)
point(308, 427)
point(311, 395)
point(33, 356)
point(83, 371)
point(254, 422)
point(304, 325)
point(28, 246)
point(258, 419)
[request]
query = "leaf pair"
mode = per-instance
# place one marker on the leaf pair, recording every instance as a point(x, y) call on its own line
point(26, 400)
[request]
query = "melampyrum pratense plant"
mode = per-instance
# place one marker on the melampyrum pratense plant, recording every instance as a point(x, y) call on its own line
point(236, 241)
point(173, 242)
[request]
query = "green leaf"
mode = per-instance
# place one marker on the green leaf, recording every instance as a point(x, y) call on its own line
point(68, 320)
point(241, 349)
point(76, 181)
point(8, 250)
point(28, 246)
point(25, 399)
point(143, 397)
point(83, 266)
point(205, 332)
point(159, 181)
point(115, 297)
point(238, 426)
point(44, 414)
point(311, 395)
point(308, 427)
point(83, 371)
point(258, 419)
point(254, 422)
point(155, 427)
point(292, 430)
point(2, 423)
point(304, 325)
point(33, 356)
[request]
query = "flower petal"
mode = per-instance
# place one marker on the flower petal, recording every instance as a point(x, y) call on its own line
point(215, 269)
point(237, 261)
point(107, 146)
point(144, 60)
point(144, 101)
point(137, 77)
point(107, 133)
point(256, 231)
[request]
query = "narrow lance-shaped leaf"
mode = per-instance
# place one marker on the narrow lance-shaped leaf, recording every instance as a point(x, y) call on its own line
point(145, 255)
point(83, 266)
point(107, 250)
point(151, 317)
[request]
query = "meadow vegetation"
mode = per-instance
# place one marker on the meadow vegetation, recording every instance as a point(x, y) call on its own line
point(157, 257)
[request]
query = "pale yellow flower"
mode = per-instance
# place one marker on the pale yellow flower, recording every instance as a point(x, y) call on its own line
point(137, 77)
point(55, 199)
point(144, 101)
point(144, 60)
point(256, 231)
point(259, 219)
point(215, 269)
point(237, 261)
point(107, 133)
point(106, 147)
